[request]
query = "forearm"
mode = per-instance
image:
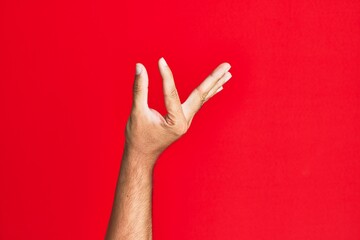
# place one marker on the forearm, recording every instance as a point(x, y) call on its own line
point(131, 213)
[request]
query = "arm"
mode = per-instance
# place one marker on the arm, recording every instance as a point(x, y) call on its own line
point(148, 134)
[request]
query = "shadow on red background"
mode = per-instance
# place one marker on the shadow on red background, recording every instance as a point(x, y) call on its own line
point(275, 155)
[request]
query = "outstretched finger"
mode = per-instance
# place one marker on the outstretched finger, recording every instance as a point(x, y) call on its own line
point(201, 93)
point(172, 100)
point(226, 77)
point(140, 87)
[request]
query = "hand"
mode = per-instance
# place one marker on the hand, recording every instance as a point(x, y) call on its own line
point(148, 133)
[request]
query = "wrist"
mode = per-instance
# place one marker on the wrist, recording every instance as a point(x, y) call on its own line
point(134, 159)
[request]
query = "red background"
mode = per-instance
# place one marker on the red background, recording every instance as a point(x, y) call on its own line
point(275, 155)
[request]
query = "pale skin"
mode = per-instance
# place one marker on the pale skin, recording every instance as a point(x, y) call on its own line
point(148, 134)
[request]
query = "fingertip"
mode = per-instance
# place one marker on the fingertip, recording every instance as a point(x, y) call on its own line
point(138, 68)
point(228, 75)
point(140, 86)
point(162, 62)
point(141, 77)
point(220, 88)
point(227, 66)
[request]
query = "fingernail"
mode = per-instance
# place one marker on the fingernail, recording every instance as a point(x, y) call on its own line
point(163, 62)
point(138, 69)
point(228, 76)
point(220, 88)
point(228, 67)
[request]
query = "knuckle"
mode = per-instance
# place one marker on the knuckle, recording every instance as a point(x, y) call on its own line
point(202, 95)
point(134, 116)
point(137, 114)
point(137, 86)
point(213, 75)
point(134, 112)
point(173, 93)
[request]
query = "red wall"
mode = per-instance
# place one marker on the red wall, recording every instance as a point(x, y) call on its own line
point(275, 155)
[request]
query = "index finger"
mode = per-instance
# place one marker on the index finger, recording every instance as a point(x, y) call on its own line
point(172, 100)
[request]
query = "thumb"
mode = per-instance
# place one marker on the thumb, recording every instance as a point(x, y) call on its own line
point(140, 87)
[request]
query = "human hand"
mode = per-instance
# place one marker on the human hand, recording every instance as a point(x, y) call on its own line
point(148, 133)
